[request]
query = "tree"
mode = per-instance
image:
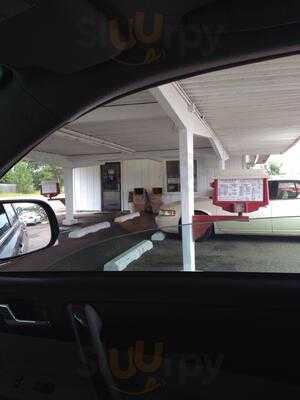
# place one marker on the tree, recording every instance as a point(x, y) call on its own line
point(45, 172)
point(273, 168)
point(28, 175)
point(21, 176)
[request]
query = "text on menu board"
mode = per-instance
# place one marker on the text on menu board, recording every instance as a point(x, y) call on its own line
point(240, 190)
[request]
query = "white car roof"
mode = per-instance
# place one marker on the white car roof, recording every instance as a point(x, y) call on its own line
point(284, 178)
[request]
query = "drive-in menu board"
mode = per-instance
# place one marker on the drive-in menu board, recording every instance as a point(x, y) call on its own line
point(49, 187)
point(240, 190)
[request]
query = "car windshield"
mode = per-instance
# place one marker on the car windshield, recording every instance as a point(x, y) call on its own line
point(202, 174)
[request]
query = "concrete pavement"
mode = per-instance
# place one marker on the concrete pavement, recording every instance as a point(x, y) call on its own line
point(221, 254)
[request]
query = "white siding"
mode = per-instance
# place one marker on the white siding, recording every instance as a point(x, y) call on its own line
point(140, 173)
point(146, 174)
point(87, 189)
point(235, 163)
point(208, 167)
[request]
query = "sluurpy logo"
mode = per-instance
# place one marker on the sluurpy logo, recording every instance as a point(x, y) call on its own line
point(146, 367)
point(147, 38)
point(142, 373)
point(144, 45)
point(137, 371)
point(132, 41)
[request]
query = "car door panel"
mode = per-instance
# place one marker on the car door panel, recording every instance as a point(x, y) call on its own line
point(154, 329)
point(39, 368)
point(286, 217)
point(286, 208)
point(260, 223)
point(15, 244)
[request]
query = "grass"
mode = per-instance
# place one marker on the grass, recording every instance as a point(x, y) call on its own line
point(19, 195)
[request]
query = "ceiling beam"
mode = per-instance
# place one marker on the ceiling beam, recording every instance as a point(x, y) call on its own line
point(161, 155)
point(51, 158)
point(185, 114)
point(91, 140)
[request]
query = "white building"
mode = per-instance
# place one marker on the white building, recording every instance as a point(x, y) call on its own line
point(90, 192)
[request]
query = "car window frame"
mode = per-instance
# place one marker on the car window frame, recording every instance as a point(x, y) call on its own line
point(283, 181)
point(5, 235)
point(297, 183)
point(277, 184)
point(287, 181)
point(16, 218)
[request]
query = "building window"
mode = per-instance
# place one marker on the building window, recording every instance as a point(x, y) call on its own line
point(173, 176)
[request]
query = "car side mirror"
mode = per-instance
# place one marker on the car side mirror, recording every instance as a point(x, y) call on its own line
point(26, 226)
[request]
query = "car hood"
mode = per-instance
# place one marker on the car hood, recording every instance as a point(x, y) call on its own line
point(177, 204)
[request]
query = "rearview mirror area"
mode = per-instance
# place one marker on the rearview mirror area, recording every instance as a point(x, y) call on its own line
point(26, 227)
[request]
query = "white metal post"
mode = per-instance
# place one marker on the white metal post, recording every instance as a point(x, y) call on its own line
point(186, 150)
point(69, 197)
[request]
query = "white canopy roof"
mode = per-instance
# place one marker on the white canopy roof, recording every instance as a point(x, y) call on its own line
point(252, 109)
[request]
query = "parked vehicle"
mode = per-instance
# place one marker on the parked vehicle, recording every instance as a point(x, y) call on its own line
point(13, 234)
point(280, 217)
point(30, 218)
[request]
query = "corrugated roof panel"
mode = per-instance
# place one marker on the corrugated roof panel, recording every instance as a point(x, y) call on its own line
point(69, 147)
point(251, 107)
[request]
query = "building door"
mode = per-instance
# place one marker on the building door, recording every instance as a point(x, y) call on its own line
point(111, 186)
